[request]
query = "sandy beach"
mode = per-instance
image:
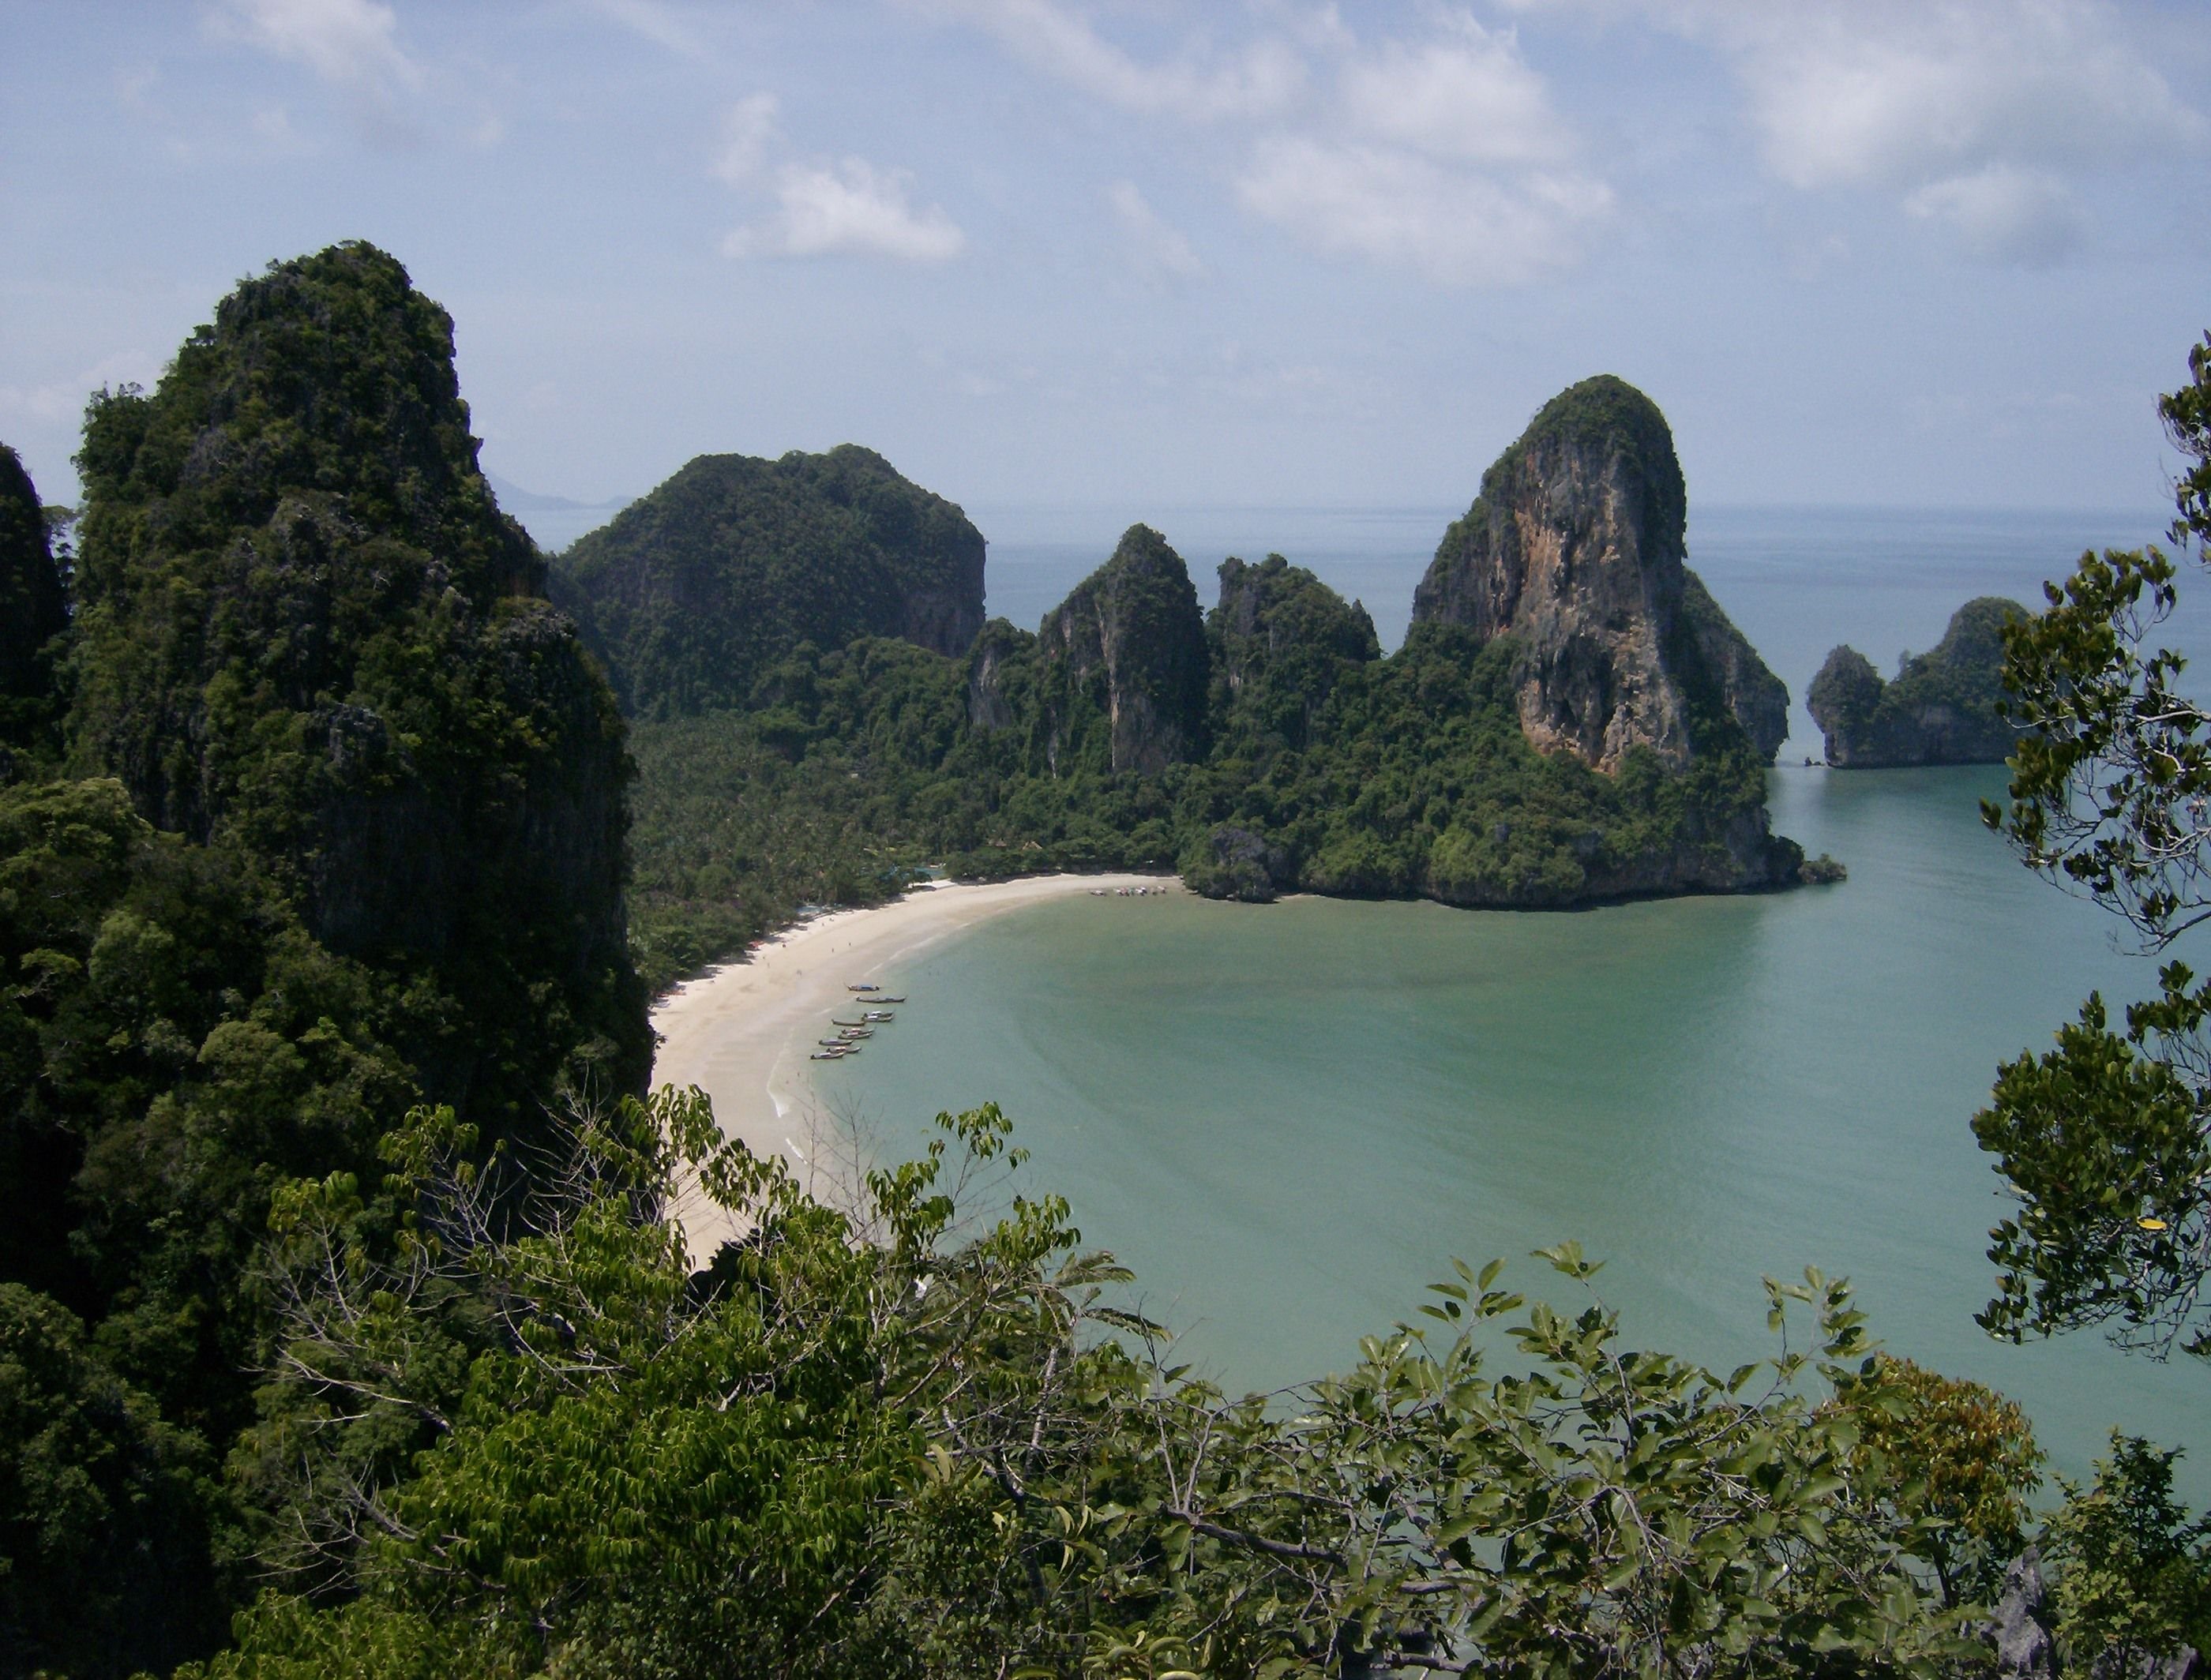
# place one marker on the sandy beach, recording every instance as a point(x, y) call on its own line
point(741, 1033)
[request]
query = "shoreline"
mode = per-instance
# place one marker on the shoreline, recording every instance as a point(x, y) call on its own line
point(739, 1031)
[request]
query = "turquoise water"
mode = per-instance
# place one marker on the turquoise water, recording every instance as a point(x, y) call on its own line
point(1288, 1117)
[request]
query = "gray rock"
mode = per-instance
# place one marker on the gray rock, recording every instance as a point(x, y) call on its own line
point(2024, 1646)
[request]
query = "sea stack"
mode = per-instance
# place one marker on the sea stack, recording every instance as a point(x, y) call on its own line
point(1575, 547)
point(1940, 708)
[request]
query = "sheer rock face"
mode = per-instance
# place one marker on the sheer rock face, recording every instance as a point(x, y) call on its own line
point(307, 632)
point(1574, 547)
point(696, 589)
point(1126, 664)
point(1939, 709)
point(33, 608)
point(1281, 640)
point(999, 649)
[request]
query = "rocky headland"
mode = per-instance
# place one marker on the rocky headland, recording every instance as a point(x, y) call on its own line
point(1572, 717)
point(1939, 709)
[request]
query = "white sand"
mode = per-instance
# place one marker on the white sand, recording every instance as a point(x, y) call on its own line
point(742, 1033)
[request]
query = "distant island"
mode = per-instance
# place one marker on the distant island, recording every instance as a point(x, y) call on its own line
point(818, 708)
point(1939, 709)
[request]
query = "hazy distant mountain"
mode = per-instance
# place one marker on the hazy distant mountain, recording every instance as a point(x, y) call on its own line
point(516, 500)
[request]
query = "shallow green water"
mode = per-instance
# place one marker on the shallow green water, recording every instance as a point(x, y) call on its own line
point(1287, 1118)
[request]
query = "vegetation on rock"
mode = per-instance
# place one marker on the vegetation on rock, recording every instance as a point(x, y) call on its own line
point(1266, 747)
point(345, 829)
point(1944, 707)
point(33, 614)
point(695, 589)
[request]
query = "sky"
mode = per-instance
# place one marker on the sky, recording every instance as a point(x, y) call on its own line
point(1150, 254)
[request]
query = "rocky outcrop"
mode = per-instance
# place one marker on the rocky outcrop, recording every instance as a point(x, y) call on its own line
point(1575, 549)
point(1754, 695)
point(1280, 642)
point(1123, 664)
point(307, 634)
point(693, 591)
point(1940, 708)
point(33, 611)
point(2020, 1629)
point(995, 692)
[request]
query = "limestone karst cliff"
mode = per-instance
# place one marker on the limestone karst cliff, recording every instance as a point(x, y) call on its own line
point(1575, 548)
point(306, 633)
point(1940, 709)
point(33, 610)
point(1124, 665)
point(694, 589)
point(1281, 641)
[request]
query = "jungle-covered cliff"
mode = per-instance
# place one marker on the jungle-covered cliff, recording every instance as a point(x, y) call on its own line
point(694, 589)
point(33, 613)
point(1572, 717)
point(339, 830)
point(1939, 709)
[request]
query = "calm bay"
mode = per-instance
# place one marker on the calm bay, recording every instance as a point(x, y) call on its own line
point(1287, 1118)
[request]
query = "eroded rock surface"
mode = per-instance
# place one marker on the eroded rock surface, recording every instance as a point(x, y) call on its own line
point(1575, 547)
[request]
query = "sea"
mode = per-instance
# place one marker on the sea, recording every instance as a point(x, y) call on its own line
point(1289, 1119)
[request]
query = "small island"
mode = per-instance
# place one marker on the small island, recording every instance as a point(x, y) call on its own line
point(1939, 709)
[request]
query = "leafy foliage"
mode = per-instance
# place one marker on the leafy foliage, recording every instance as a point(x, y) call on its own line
point(1959, 1460)
point(2135, 1576)
point(888, 1441)
point(2103, 1139)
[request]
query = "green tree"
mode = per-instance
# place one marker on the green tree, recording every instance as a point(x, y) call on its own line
point(891, 1438)
point(2103, 1139)
point(2134, 1578)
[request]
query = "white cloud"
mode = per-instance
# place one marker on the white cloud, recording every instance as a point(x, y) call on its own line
point(1056, 38)
point(848, 209)
point(1444, 155)
point(1162, 255)
point(1894, 96)
point(350, 43)
point(2003, 214)
point(655, 22)
point(1440, 152)
point(1456, 226)
point(1981, 116)
point(1472, 99)
point(747, 131)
